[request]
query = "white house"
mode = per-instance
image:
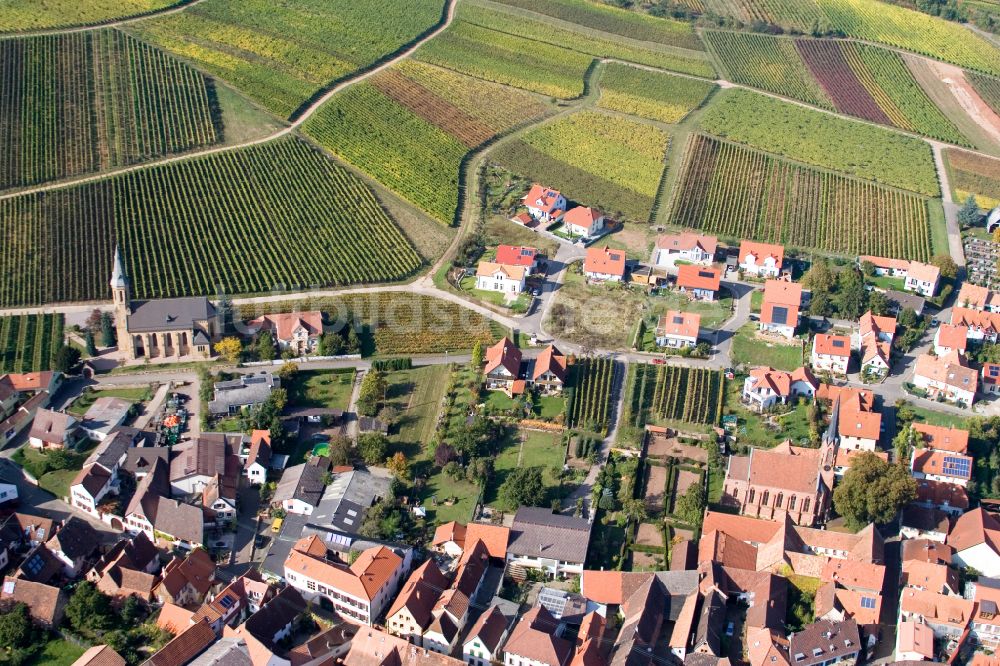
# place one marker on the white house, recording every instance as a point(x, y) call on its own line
point(299, 332)
point(545, 204)
point(554, 543)
point(686, 246)
point(300, 489)
point(678, 329)
point(973, 537)
point(534, 641)
point(922, 279)
point(875, 343)
point(412, 611)
point(886, 266)
point(948, 376)
point(831, 353)
point(604, 264)
point(583, 221)
point(8, 493)
point(950, 338)
point(500, 277)
point(89, 487)
point(975, 297)
point(482, 645)
point(979, 326)
point(779, 311)
point(761, 259)
point(766, 387)
point(258, 458)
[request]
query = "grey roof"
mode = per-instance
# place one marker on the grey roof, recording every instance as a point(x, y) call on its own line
point(371, 424)
point(210, 454)
point(105, 414)
point(823, 641)
point(230, 651)
point(180, 520)
point(349, 492)
point(75, 539)
point(51, 426)
point(112, 451)
point(139, 460)
point(169, 314)
point(275, 615)
point(905, 299)
point(708, 633)
point(246, 390)
point(302, 482)
point(538, 532)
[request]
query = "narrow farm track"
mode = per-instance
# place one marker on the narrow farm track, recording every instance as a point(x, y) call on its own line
point(115, 23)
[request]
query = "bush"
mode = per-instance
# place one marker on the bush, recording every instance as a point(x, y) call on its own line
point(388, 364)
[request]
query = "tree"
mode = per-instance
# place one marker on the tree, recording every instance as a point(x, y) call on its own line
point(107, 329)
point(820, 304)
point(479, 470)
point(93, 323)
point(850, 294)
point(477, 355)
point(265, 346)
point(340, 451)
point(65, 359)
point(399, 466)
point(946, 265)
point(331, 344)
point(371, 393)
point(691, 505)
point(353, 342)
point(287, 371)
point(373, 447)
point(15, 627)
point(968, 214)
point(867, 268)
point(229, 349)
point(89, 610)
point(908, 318)
point(634, 509)
point(878, 303)
point(131, 611)
point(873, 491)
point(522, 487)
point(88, 340)
point(819, 277)
point(444, 454)
point(904, 443)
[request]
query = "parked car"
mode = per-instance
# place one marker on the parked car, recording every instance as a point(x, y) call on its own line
point(730, 628)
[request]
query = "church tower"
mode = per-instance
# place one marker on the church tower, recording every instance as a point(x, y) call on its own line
point(122, 296)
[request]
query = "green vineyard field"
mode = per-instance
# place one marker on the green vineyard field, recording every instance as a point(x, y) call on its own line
point(675, 393)
point(279, 214)
point(590, 406)
point(738, 193)
point(86, 101)
point(653, 95)
point(28, 343)
point(988, 88)
point(18, 15)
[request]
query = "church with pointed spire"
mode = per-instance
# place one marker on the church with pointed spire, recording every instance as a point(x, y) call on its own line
point(167, 328)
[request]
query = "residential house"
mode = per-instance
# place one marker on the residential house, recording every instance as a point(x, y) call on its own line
point(940, 438)
point(482, 646)
point(950, 338)
point(276, 619)
point(698, 282)
point(52, 430)
point(886, 266)
point(552, 542)
point(374, 647)
point(548, 371)
point(410, 614)
point(186, 581)
point(677, 330)
point(761, 260)
point(45, 603)
point(948, 376)
point(980, 326)
point(838, 604)
point(100, 655)
point(242, 598)
point(934, 576)
point(786, 480)
point(918, 522)
point(583, 221)
point(824, 642)
point(854, 422)
point(831, 353)
point(975, 537)
point(845, 458)
point(518, 255)
point(331, 644)
point(451, 612)
point(103, 416)
point(766, 387)
point(990, 376)
point(947, 616)
point(500, 277)
point(948, 497)
point(875, 343)
point(604, 264)
point(8, 493)
point(975, 297)
point(73, 544)
point(545, 204)
point(503, 368)
point(195, 463)
point(451, 539)
point(89, 487)
point(922, 279)
point(233, 396)
point(128, 569)
point(187, 645)
point(943, 466)
point(300, 488)
point(533, 641)
point(903, 300)
point(359, 592)
point(346, 501)
point(258, 458)
point(297, 332)
point(685, 246)
point(914, 641)
point(779, 311)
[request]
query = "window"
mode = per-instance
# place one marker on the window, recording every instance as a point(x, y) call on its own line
point(779, 500)
point(767, 495)
point(750, 497)
point(791, 503)
point(805, 505)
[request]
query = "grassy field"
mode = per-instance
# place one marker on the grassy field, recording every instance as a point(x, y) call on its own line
point(88, 397)
point(531, 448)
point(817, 138)
point(752, 429)
point(328, 389)
point(594, 314)
point(749, 350)
point(58, 652)
point(416, 394)
point(653, 95)
point(281, 55)
point(56, 482)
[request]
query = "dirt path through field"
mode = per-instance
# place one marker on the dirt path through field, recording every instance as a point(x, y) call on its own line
point(967, 97)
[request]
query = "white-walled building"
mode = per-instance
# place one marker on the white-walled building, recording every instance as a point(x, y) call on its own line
point(500, 277)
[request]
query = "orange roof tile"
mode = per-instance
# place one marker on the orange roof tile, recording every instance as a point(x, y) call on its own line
point(915, 637)
point(516, 255)
point(451, 531)
point(679, 324)
point(949, 370)
point(944, 439)
point(851, 573)
point(952, 336)
point(832, 345)
point(489, 269)
point(923, 272)
point(692, 276)
point(494, 537)
point(604, 261)
point(505, 354)
point(743, 528)
point(582, 216)
point(943, 463)
point(874, 324)
point(550, 360)
point(761, 251)
point(542, 197)
point(973, 528)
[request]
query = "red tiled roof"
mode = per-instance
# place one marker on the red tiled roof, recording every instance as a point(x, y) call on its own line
point(780, 292)
point(915, 637)
point(975, 296)
point(687, 240)
point(985, 321)
point(494, 537)
point(605, 261)
point(885, 263)
point(786, 467)
point(942, 492)
point(870, 324)
point(973, 528)
point(761, 251)
point(944, 439)
point(743, 528)
point(451, 531)
point(488, 268)
point(679, 324)
point(505, 354)
point(923, 272)
point(780, 381)
point(283, 324)
point(950, 370)
point(542, 198)
point(952, 336)
point(851, 573)
point(516, 255)
point(692, 276)
point(832, 345)
point(943, 463)
point(550, 360)
point(582, 216)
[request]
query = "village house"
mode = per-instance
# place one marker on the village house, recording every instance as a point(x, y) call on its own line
point(301, 488)
point(554, 543)
point(21, 396)
point(128, 569)
point(950, 338)
point(451, 539)
point(951, 498)
point(914, 642)
point(548, 371)
point(45, 603)
point(917, 277)
point(451, 612)
point(544, 204)
point(583, 221)
point(824, 643)
point(761, 260)
point(500, 277)
point(980, 326)
point(787, 479)
point(766, 387)
point(166, 328)
point(533, 641)
point(517, 255)
point(875, 343)
point(103, 416)
point(258, 457)
point(685, 246)
point(948, 376)
point(602, 264)
point(975, 297)
point(943, 466)
point(410, 614)
point(779, 311)
point(360, 591)
point(53, 430)
point(163, 519)
point(503, 368)
point(186, 581)
point(975, 537)
point(73, 544)
point(677, 330)
point(831, 353)
point(990, 378)
point(698, 282)
point(483, 644)
point(297, 332)
point(246, 391)
point(195, 463)
point(855, 425)
point(947, 616)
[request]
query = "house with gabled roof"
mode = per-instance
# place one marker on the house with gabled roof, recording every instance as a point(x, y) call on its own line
point(831, 353)
point(603, 264)
point(922, 279)
point(410, 614)
point(73, 544)
point(979, 326)
point(948, 497)
point(855, 424)
point(825, 642)
point(947, 616)
point(766, 387)
point(975, 537)
point(990, 378)
point(186, 581)
point(518, 255)
point(950, 338)
point(45, 603)
point(583, 221)
point(700, 283)
point(128, 569)
point(943, 466)
point(685, 246)
point(555, 543)
point(761, 259)
point(503, 278)
point(914, 642)
point(298, 332)
point(258, 458)
point(301, 488)
point(875, 337)
point(482, 646)
point(677, 330)
point(534, 642)
point(548, 371)
point(53, 430)
point(779, 311)
point(544, 204)
point(975, 297)
point(948, 376)
point(451, 611)
point(503, 368)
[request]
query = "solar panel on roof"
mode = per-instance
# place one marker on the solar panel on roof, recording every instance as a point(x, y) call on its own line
point(706, 274)
point(838, 343)
point(956, 466)
point(779, 315)
point(227, 602)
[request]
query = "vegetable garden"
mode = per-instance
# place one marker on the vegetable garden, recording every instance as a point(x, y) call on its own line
point(605, 161)
point(653, 95)
point(741, 193)
point(86, 101)
point(590, 406)
point(676, 393)
point(28, 343)
point(282, 54)
point(411, 127)
point(279, 214)
point(33, 15)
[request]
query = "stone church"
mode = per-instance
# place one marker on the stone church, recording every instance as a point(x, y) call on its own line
point(164, 328)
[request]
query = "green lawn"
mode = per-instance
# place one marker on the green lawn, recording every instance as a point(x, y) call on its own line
point(498, 400)
point(940, 418)
point(885, 282)
point(58, 652)
point(416, 394)
point(748, 350)
point(756, 299)
point(550, 406)
point(752, 427)
point(530, 448)
point(713, 313)
point(88, 397)
point(330, 389)
point(56, 482)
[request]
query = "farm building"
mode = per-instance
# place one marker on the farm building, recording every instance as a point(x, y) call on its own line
point(678, 329)
point(502, 278)
point(687, 246)
point(52, 430)
point(779, 311)
point(605, 265)
point(699, 282)
point(583, 221)
point(831, 353)
point(544, 204)
point(761, 259)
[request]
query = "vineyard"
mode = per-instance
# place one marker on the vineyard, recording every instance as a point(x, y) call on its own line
point(818, 138)
point(987, 87)
point(675, 393)
point(28, 343)
point(282, 54)
point(21, 15)
point(604, 161)
point(410, 128)
point(86, 101)
point(590, 407)
point(241, 222)
point(971, 173)
point(765, 62)
point(654, 95)
point(400, 323)
point(799, 15)
point(741, 193)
